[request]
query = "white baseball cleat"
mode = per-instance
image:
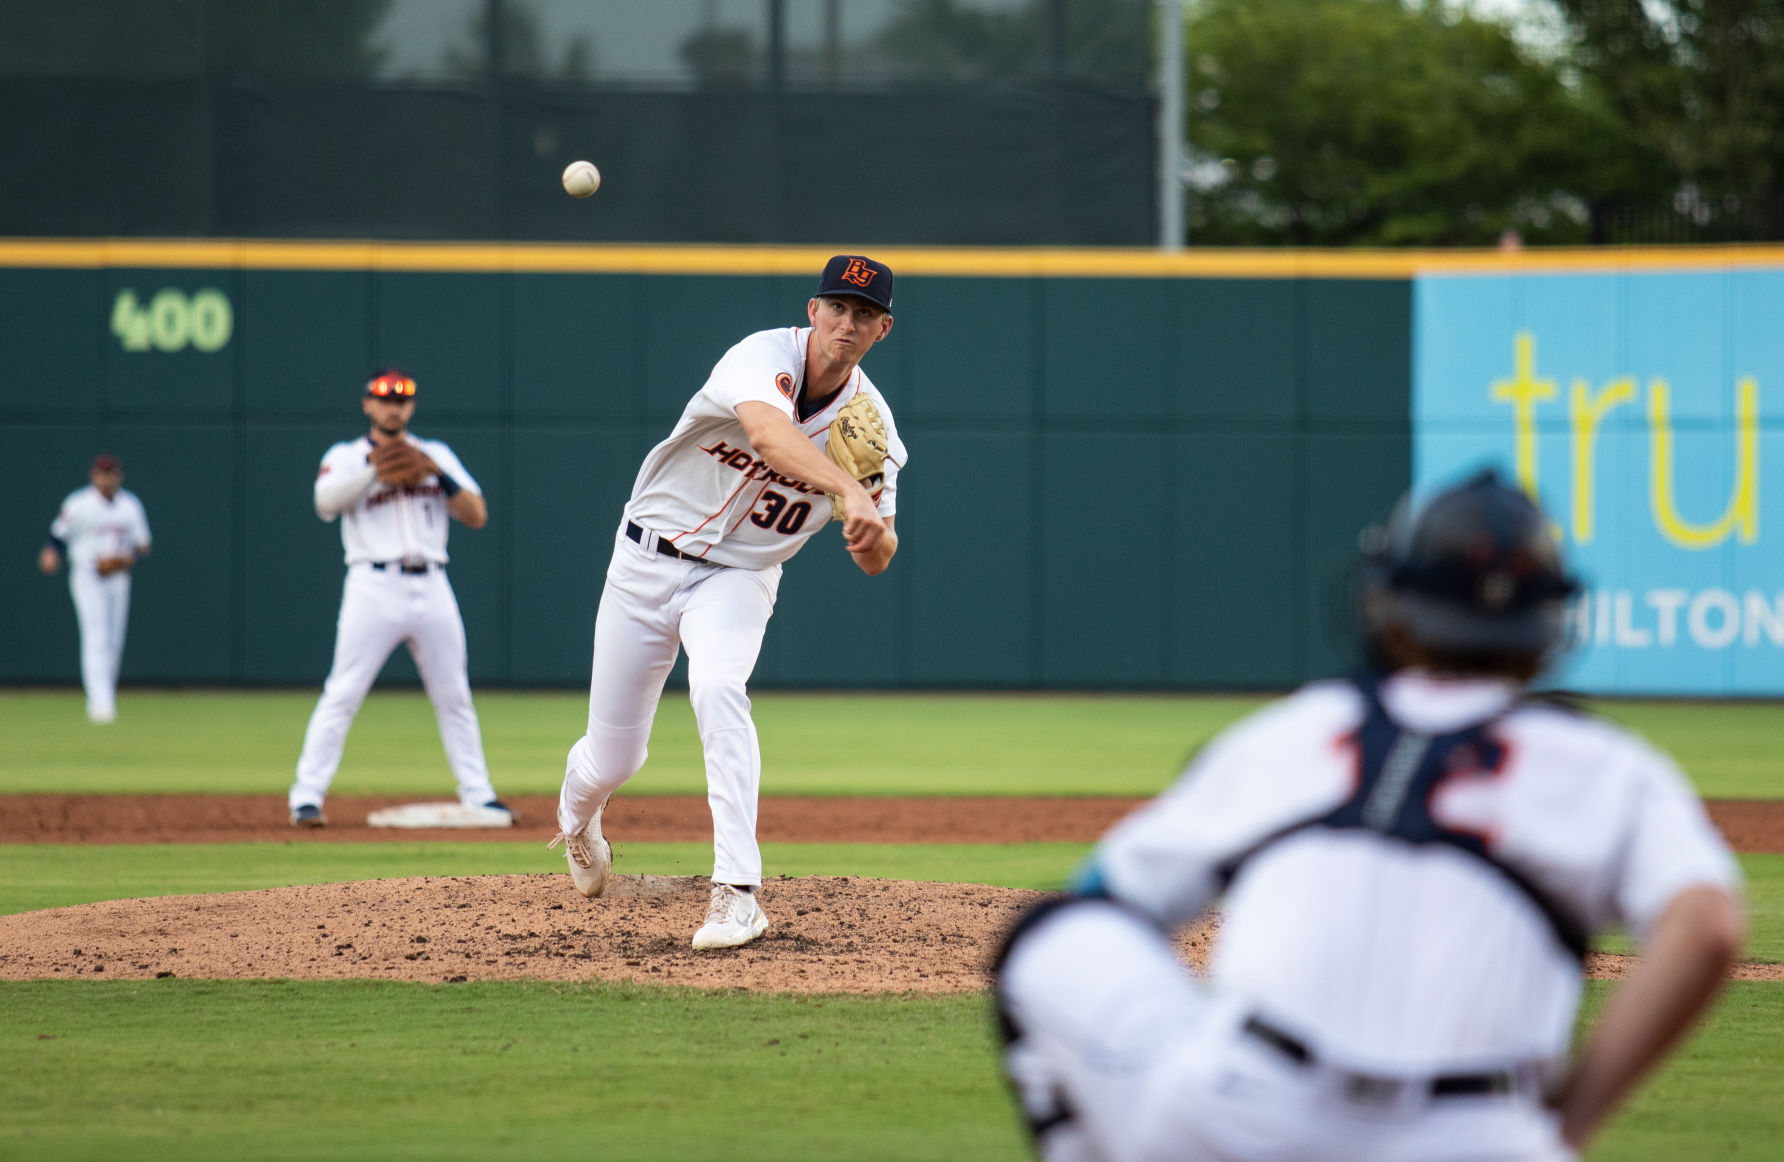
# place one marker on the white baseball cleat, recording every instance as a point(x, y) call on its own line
point(589, 855)
point(732, 919)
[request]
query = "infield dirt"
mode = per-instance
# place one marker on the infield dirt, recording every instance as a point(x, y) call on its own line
point(1749, 824)
point(829, 934)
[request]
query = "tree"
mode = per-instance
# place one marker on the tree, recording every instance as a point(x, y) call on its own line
point(1366, 122)
point(1700, 86)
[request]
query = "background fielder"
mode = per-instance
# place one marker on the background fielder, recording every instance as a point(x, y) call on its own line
point(394, 493)
point(736, 489)
point(1412, 866)
point(102, 530)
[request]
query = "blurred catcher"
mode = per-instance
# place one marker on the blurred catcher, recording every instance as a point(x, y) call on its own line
point(394, 493)
point(101, 530)
point(1412, 864)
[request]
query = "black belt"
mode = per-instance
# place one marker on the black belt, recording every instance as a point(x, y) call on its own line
point(1444, 1085)
point(381, 566)
point(636, 532)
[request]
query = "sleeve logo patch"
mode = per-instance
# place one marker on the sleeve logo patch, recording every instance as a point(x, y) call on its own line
point(785, 381)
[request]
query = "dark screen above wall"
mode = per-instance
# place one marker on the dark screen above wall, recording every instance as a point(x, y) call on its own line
point(1030, 165)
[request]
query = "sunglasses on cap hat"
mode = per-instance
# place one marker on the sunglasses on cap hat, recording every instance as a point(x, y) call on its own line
point(391, 383)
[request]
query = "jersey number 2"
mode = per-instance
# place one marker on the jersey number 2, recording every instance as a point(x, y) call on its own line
point(790, 521)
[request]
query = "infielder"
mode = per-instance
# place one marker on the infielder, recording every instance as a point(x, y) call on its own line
point(1412, 863)
point(394, 492)
point(102, 530)
point(787, 432)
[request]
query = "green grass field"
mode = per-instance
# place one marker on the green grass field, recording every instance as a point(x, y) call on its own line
point(280, 1069)
point(927, 744)
point(289, 1070)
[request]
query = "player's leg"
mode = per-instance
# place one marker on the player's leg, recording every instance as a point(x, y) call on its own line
point(1105, 1035)
point(721, 628)
point(635, 646)
point(91, 613)
point(437, 642)
point(368, 628)
point(118, 610)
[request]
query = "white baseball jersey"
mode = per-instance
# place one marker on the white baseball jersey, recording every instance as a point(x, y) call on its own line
point(1396, 956)
point(704, 490)
point(382, 523)
point(93, 527)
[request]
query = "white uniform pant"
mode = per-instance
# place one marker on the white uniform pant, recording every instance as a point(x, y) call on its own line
point(102, 608)
point(379, 609)
point(653, 605)
point(1129, 1057)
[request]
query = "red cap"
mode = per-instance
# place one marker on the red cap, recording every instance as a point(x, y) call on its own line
point(106, 462)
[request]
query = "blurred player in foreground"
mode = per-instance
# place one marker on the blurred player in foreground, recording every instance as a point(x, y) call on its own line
point(753, 469)
point(394, 492)
point(102, 530)
point(1413, 862)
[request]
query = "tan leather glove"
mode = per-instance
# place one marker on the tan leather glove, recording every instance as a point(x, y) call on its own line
point(858, 446)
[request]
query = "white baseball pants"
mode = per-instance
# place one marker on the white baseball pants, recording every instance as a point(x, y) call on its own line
point(652, 606)
point(1121, 1054)
point(380, 609)
point(102, 609)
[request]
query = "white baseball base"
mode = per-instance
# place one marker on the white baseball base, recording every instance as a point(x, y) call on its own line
point(455, 815)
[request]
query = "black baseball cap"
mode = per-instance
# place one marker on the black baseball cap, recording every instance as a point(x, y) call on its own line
point(856, 276)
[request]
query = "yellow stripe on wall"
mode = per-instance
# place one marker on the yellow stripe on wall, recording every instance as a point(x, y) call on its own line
point(1053, 262)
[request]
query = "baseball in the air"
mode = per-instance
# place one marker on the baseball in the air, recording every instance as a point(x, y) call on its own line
point(581, 179)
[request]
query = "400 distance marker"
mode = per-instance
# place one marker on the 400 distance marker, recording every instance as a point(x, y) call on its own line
point(172, 321)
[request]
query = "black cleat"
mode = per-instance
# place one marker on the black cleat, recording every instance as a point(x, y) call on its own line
point(309, 815)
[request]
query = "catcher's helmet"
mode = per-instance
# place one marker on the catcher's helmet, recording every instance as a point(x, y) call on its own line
point(1472, 570)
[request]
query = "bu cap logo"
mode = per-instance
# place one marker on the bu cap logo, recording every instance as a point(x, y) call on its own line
point(856, 276)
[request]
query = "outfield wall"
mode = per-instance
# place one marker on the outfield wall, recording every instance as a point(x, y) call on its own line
point(1129, 469)
point(1120, 477)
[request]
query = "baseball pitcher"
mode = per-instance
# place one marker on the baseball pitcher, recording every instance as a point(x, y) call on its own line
point(787, 434)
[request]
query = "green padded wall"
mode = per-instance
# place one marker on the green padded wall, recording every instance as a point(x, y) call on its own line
point(1115, 482)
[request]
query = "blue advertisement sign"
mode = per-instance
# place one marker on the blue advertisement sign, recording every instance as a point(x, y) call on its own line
point(1643, 411)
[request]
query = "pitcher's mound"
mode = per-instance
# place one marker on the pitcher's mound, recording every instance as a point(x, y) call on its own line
point(827, 934)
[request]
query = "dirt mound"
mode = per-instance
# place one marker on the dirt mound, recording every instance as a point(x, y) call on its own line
point(1612, 966)
point(828, 934)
